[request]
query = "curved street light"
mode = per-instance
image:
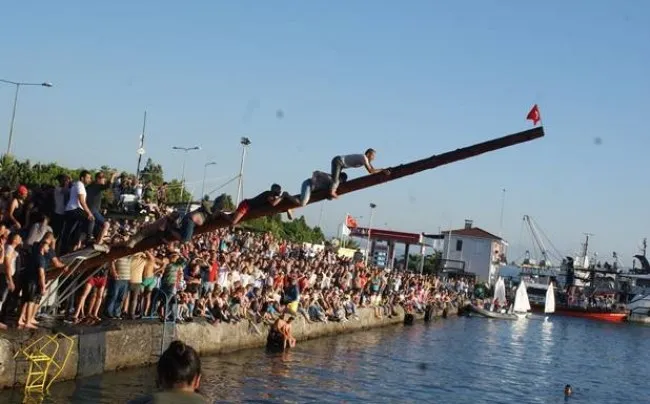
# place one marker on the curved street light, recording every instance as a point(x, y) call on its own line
point(186, 150)
point(245, 142)
point(18, 84)
point(205, 170)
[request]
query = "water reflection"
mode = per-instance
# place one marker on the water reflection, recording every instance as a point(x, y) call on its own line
point(457, 361)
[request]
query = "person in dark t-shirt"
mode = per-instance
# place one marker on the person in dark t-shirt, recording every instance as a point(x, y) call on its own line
point(33, 279)
point(270, 197)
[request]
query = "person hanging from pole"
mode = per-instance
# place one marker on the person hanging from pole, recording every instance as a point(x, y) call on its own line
point(175, 227)
point(270, 197)
point(339, 163)
point(317, 182)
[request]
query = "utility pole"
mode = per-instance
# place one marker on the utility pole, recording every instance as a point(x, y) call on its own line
point(141, 150)
point(372, 212)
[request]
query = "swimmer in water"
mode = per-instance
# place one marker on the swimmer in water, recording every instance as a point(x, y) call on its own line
point(568, 390)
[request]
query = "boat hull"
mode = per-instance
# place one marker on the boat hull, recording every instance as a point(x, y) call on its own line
point(490, 314)
point(599, 315)
point(638, 318)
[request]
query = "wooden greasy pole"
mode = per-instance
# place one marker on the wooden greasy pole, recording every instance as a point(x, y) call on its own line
point(345, 188)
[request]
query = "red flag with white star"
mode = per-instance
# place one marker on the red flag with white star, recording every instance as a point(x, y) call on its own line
point(534, 115)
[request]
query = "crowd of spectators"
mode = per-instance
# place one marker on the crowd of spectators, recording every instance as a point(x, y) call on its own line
point(226, 276)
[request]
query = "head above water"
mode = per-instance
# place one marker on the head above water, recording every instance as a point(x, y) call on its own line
point(568, 390)
point(179, 367)
point(370, 153)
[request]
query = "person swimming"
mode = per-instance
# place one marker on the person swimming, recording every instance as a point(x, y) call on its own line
point(179, 377)
point(568, 391)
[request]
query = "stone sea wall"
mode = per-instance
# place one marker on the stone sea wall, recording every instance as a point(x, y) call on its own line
point(97, 350)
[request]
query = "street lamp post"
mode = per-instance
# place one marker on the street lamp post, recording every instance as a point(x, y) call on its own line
point(245, 142)
point(372, 213)
point(205, 170)
point(186, 150)
point(18, 84)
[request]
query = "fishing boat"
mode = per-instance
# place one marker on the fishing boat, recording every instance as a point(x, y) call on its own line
point(639, 309)
point(589, 292)
point(637, 284)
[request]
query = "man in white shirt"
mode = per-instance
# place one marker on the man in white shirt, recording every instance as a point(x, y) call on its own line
point(78, 216)
point(339, 163)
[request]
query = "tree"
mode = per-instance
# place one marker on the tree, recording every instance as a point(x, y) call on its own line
point(153, 173)
point(15, 172)
point(297, 230)
point(432, 262)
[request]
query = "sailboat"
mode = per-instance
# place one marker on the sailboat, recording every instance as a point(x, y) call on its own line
point(499, 299)
point(549, 304)
point(522, 304)
point(549, 301)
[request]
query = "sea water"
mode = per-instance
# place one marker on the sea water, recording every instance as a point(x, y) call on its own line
point(458, 360)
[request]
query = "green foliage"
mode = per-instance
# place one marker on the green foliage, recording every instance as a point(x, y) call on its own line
point(432, 263)
point(15, 172)
point(153, 173)
point(229, 204)
point(296, 230)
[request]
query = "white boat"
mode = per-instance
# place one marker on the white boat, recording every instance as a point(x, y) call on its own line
point(500, 298)
point(549, 302)
point(521, 308)
point(639, 309)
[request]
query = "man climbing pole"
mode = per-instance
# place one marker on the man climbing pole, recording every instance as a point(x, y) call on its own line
point(270, 197)
point(317, 182)
point(339, 163)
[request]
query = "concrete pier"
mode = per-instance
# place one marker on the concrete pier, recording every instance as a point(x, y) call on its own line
point(124, 344)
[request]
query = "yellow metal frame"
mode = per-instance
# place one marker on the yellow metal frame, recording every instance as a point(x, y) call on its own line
point(41, 355)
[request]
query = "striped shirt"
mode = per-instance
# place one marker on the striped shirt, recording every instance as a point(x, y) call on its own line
point(123, 268)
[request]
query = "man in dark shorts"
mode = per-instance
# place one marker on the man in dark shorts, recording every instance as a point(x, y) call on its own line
point(271, 197)
point(33, 282)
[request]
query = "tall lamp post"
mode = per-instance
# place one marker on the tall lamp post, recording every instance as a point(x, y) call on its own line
point(245, 142)
point(205, 170)
point(186, 150)
point(18, 84)
point(372, 213)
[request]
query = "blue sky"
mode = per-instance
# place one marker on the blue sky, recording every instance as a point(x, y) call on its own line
point(410, 79)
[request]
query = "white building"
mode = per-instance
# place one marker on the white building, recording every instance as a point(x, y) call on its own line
point(482, 252)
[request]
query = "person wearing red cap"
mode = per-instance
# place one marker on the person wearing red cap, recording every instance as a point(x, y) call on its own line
point(18, 211)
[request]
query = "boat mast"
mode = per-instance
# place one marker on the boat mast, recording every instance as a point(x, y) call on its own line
point(644, 246)
point(585, 250)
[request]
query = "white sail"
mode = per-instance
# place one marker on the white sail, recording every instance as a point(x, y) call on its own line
point(549, 304)
point(522, 305)
point(500, 292)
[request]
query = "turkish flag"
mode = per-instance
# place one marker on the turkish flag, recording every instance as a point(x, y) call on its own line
point(350, 222)
point(534, 115)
